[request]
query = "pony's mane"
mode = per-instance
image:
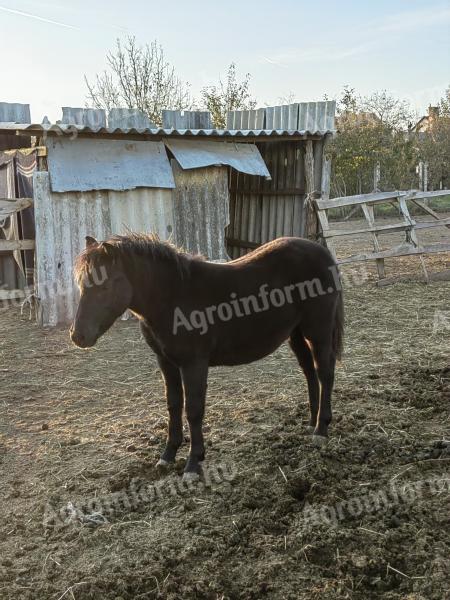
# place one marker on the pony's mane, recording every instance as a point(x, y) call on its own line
point(130, 246)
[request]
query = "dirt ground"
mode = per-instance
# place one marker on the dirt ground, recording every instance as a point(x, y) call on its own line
point(85, 514)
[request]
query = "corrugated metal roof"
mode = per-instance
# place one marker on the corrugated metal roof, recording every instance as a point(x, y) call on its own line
point(42, 129)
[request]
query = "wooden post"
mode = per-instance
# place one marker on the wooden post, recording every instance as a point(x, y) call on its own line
point(370, 218)
point(425, 176)
point(376, 177)
point(310, 214)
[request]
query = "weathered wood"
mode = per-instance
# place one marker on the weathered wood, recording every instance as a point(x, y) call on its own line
point(11, 295)
point(429, 224)
point(377, 197)
point(358, 199)
point(370, 218)
point(310, 214)
point(11, 245)
point(403, 250)
point(440, 276)
point(388, 228)
point(428, 210)
point(9, 206)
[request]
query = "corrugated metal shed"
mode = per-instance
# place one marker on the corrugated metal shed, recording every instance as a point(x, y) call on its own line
point(291, 139)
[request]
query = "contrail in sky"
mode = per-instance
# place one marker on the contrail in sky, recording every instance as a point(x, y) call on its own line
point(30, 16)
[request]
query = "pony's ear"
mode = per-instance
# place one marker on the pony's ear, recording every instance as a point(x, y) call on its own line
point(91, 241)
point(108, 248)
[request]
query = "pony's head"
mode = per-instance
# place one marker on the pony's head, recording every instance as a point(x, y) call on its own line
point(105, 291)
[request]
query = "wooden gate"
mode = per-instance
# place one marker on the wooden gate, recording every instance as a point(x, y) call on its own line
point(409, 226)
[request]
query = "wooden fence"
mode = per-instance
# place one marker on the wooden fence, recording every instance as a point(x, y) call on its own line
point(8, 207)
point(409, 226)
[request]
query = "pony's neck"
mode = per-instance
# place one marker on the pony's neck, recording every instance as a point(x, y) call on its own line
point(155, 282)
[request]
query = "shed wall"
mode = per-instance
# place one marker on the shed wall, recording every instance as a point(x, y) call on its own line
point(201, 210)
point(262, 210)
point(194, 216)
point(64, 219)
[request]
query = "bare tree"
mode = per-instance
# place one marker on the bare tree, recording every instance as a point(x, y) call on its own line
point(391, 111)
point(226, 96)
point(139, 77)
point(444, 104)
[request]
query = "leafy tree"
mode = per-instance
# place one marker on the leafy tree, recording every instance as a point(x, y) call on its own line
point(230, 94)
point(434, 145)
point(139, 77)
point(371, 133)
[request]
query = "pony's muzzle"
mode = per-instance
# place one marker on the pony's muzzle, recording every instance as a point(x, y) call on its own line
point(79, 339)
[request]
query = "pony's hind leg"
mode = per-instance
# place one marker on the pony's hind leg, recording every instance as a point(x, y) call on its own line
point(325, 360)
point(305, 359)
point(174, 397)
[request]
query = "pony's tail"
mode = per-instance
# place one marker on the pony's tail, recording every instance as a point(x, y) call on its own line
point(338, 331)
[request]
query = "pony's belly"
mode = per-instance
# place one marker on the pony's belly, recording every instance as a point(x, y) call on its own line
point(246, 353)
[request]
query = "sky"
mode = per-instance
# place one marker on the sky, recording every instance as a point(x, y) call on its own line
point(298, 49)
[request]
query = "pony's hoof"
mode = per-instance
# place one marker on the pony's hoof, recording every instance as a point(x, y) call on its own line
point(163, 465)
point(319, 441)
point(190, 477)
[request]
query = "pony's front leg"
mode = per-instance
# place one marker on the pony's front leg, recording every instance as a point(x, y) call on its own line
point(174, 397)
point(195, 383)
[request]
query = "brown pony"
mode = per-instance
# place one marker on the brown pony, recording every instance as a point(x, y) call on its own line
point(196, 314)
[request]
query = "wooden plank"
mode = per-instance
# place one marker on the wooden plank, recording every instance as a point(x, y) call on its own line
point(376, 197)
point(429, 224)
point(411, 235)
point(358, 199)
point(323, 221)
point(388, 228)
point(370, 218)
point(439, 276)
point(427, 209)
point(376, 229)
point(12, 245)
point(11, 295)
point(414, 194)
point(404, 250)
point(9, 206)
